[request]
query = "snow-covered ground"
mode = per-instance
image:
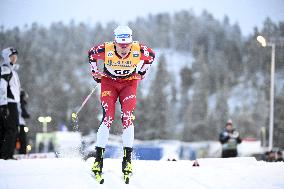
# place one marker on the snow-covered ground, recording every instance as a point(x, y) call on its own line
point(72, 173)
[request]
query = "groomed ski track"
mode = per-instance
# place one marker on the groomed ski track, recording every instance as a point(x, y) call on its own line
point(73, 173)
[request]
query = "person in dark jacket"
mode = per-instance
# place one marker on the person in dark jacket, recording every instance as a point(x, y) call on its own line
point(229, 139)
point(279, 156)
point(23, 114)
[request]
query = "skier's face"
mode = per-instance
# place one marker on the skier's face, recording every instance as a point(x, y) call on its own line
point(13, 58)
point(123, 49)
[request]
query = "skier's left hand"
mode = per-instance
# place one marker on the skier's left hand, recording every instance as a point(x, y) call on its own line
point(142, 74)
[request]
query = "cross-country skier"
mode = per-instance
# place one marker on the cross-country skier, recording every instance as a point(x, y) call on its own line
point(118, 80)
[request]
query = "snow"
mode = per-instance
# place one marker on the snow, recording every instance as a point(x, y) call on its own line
point(74, 173)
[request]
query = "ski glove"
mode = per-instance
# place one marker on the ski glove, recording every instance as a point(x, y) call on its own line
point(97, 76)
point(25, 114)
point(142, 74)
point(4, 111)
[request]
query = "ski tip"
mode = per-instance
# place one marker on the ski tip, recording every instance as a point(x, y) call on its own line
point(126, 181)
point(126, 178)
point(195, 164)
point(102, 181)
point(99, 178)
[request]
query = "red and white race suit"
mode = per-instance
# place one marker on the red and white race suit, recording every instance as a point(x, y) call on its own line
point(119, 80)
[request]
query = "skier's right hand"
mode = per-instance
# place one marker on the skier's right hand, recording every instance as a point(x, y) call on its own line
point(97, 76)
point(4, 111)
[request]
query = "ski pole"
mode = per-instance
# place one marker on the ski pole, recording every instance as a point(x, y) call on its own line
point(75, 114)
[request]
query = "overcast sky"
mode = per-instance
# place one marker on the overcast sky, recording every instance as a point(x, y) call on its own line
point(248, 13)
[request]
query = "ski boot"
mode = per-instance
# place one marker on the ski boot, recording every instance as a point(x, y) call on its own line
point(126, 164)
point(98, 165)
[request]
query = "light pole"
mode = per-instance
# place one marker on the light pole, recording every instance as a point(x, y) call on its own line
point(263, 42)
point(44, 121)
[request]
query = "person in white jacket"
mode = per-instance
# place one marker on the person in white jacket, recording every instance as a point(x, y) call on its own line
point(9, 98)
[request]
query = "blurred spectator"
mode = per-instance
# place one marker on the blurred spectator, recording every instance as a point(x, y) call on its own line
point(41, 147)
point(229, 139)
point(279, 156)
point(23, 114)
point(265, 156)
point(273, 156)
point(270, 156)
point(50, 146)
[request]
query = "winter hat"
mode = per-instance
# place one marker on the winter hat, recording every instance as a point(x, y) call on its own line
point(229, 122)
point(7, 52)
point(123, 34)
